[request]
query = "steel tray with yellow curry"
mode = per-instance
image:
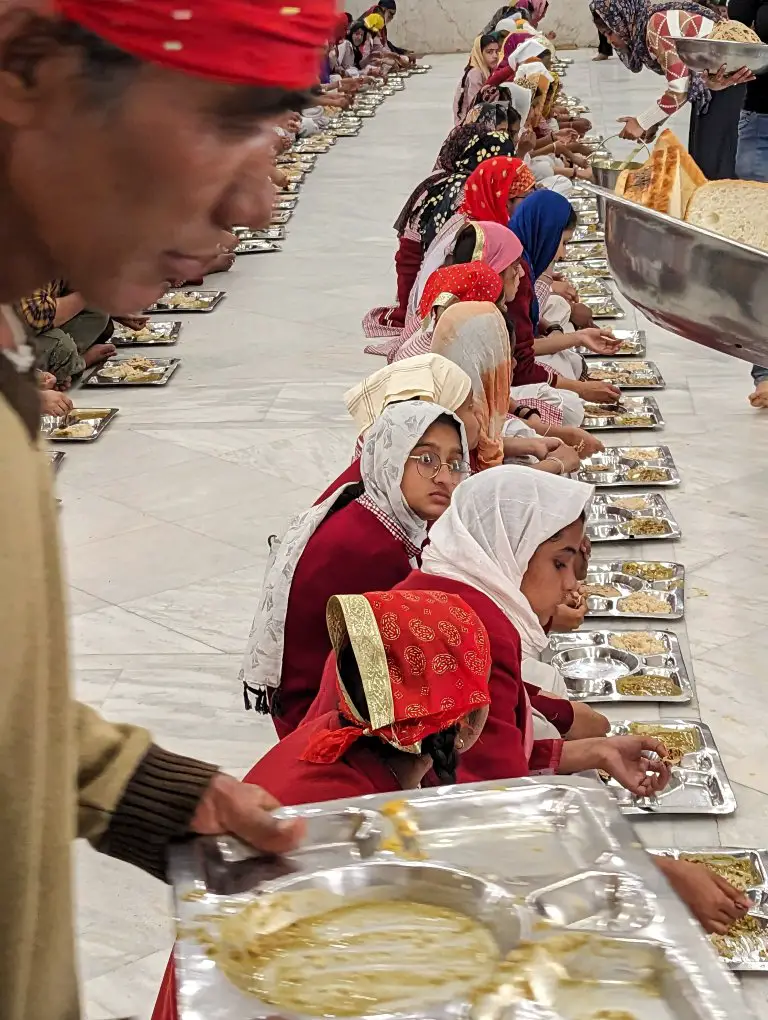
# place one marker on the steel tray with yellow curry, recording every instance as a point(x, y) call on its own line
point(625, 466)
point(629, 413)
point(630, 589)
point(744, 947)
point(613, 666)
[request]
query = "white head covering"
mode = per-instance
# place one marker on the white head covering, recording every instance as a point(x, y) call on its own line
point(521, 98)
point(514, 24)
point(387, 446)
point(495, 523)
point(531, 69)
point(428, 377)
point(530, 48)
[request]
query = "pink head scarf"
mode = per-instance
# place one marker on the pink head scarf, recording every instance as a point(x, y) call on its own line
point(500, 247)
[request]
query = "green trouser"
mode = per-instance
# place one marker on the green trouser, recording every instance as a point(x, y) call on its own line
point(60, 350)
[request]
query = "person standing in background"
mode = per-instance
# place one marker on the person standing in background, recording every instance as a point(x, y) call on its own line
point(752, 146)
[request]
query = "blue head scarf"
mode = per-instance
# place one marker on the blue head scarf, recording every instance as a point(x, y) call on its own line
point(539, 221)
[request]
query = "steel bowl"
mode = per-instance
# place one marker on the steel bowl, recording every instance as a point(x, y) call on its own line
point(696, 283)
point(595, 662)
point(712, 54)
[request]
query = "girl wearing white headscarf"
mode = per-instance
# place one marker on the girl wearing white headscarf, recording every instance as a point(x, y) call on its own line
point(508, 545)
point(364, 537)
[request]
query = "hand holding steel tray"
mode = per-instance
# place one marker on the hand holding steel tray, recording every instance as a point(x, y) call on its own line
point(572, 919)
point(696, 283)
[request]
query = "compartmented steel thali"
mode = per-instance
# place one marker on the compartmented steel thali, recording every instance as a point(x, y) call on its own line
point(624, 466)
point(571, 920)
point(580, 251)
point(591, 286)
point(627, 375)
point(630, 413)
point(274, 233)
point(644, 518)
point(599, 665)
point(175, 300)
point(745, 946)
point(280, 217)
point(152, 334)
point(136, 371)
point(632, 344)
point(636, 589)
point(257, 246)
point(603, 307)
point(597, 267)
point(698, 784)
point(81, 425)
point(587, 232)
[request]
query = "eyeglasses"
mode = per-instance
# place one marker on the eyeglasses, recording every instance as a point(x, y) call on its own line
point(429, 465)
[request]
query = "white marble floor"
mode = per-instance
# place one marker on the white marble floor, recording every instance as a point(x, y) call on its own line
point(165, 519)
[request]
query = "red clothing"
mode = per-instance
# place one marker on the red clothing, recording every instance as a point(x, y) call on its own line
point(349, 474)
point(408, 259)
point(527, 369)
point(292, 781)
point(498, 754)
point(350, 553)
point(501, 74)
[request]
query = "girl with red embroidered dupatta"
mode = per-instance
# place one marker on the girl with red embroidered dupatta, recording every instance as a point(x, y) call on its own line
point(411, 695)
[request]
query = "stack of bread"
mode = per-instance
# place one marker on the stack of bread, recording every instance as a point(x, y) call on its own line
point(671, 182)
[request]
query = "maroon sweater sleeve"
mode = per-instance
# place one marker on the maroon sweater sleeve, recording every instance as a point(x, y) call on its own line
point(527, 369)
point(502, 73)
point(351, 552)
point(559, 711)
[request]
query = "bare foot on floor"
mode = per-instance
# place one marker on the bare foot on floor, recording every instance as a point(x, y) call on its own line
point(760, 397)
point(601, 56)
point(98, 353)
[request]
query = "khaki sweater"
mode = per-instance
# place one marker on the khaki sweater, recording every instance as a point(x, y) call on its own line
point(64, 771)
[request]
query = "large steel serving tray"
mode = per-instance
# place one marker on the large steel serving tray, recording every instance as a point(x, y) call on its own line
point(583, 923)
point(689, 280)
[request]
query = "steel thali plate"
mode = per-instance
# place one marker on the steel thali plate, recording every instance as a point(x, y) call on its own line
point(745, 946)
point(632, 345)
point(657, 651)
point(186, 301)
point(158, 375)
point(257, 246)
point(627, 375)
point(610, 585)
point(623, 466)
point(596, 267)
point(632, 413)
point(152, 334)
point(97, 419)
point(698, 784)
point(603, 307)
point(610, 521)
point(573, 899)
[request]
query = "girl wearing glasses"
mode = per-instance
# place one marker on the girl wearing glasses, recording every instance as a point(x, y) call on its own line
point(365, 535)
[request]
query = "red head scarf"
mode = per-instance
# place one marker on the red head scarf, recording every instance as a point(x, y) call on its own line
point(244, 42)
point(474, 281)
point(492, 184)
point(423, 658)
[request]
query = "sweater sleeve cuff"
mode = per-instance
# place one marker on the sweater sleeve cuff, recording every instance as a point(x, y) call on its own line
point(651, 117)
point(156, 807)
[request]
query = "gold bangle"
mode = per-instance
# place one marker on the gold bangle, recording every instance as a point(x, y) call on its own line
point(558, 461)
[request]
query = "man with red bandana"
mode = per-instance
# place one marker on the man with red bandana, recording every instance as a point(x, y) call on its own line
point(134, 133)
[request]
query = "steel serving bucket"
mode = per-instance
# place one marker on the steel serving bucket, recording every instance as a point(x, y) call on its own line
point(606, 172)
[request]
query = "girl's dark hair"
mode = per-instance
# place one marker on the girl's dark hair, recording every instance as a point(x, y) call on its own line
point(444, 419)
point(573, 220)
point(357, 26)
point(105, 69)
point(349, 495)
point(464, 248)
point(439, 746)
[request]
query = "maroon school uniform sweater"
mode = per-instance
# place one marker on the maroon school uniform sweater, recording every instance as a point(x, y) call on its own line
point(350, 553)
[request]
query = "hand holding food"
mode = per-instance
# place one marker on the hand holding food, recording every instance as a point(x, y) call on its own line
point(713, 901)
point(625, 758)
point(599, 392)
point(601, 341)
point(585, 443)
